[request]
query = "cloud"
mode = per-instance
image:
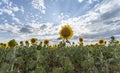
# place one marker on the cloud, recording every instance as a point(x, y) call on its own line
point(22, 9)
point(93, 25)
point(80, 1)
point(10, 9)
point(108, 20)
point(9, 28)
point(15, 9)
point(9, 12)
point(39, 4)
point(43, 27)
point(25, 30)
point(29, 30)
point(107, 5)
point(16, 19)
point(90, 1)
point(5, 1)
point(111, 14)
point(63, 16)
point(1, 13)
point(101, 22)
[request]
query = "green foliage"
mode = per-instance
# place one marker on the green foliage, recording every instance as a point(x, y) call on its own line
point(63, 59)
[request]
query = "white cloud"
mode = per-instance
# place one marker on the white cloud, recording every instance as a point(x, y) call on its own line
point(90, 1)
point(80, 1)
point(10, 4)
point(8, 11)
point(22, 9)
point(5, 1)
point(15, 9)
point(41, 28)
point(16, 20)
point(39, 4)
point(107, 5)
point(1, 13)
point(62, 16)
point(101, 22)
point(9, 28)
point(29, 30)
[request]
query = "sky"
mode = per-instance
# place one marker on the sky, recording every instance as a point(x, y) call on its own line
point(90, 19)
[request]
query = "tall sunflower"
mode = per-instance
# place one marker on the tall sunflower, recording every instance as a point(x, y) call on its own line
point(66, 32)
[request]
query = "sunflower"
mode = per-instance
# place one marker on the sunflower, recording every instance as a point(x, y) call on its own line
point(33, 40)
point(105, 41)
point(66, 32)
point(76, 45)
point(12, 43)
point(27, 43)
point(46, 42)
point(101, 42)
point(5, 45)
point(117, 42)
point(1, 44)
point(81, 40)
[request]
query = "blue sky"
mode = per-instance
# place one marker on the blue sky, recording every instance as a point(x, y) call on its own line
point(90, 19)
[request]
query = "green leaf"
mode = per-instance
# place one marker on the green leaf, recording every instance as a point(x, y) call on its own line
point(57, 70)
point(67, 41)
point(59, 38)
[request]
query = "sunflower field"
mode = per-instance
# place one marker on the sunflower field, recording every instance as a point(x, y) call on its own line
point(33, 56)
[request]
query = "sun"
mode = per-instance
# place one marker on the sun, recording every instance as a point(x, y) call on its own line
point(66, 32)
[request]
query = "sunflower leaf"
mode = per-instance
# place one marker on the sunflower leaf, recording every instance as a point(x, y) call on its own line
point(67, 41)
point(59, 38)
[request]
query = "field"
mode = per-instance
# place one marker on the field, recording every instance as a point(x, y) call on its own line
point(40, 57)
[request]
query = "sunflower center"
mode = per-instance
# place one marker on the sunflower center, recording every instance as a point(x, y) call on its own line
point(46, 42)
point(81, 40)
point(101, 41)
point(33, 41)
point(65, 32)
